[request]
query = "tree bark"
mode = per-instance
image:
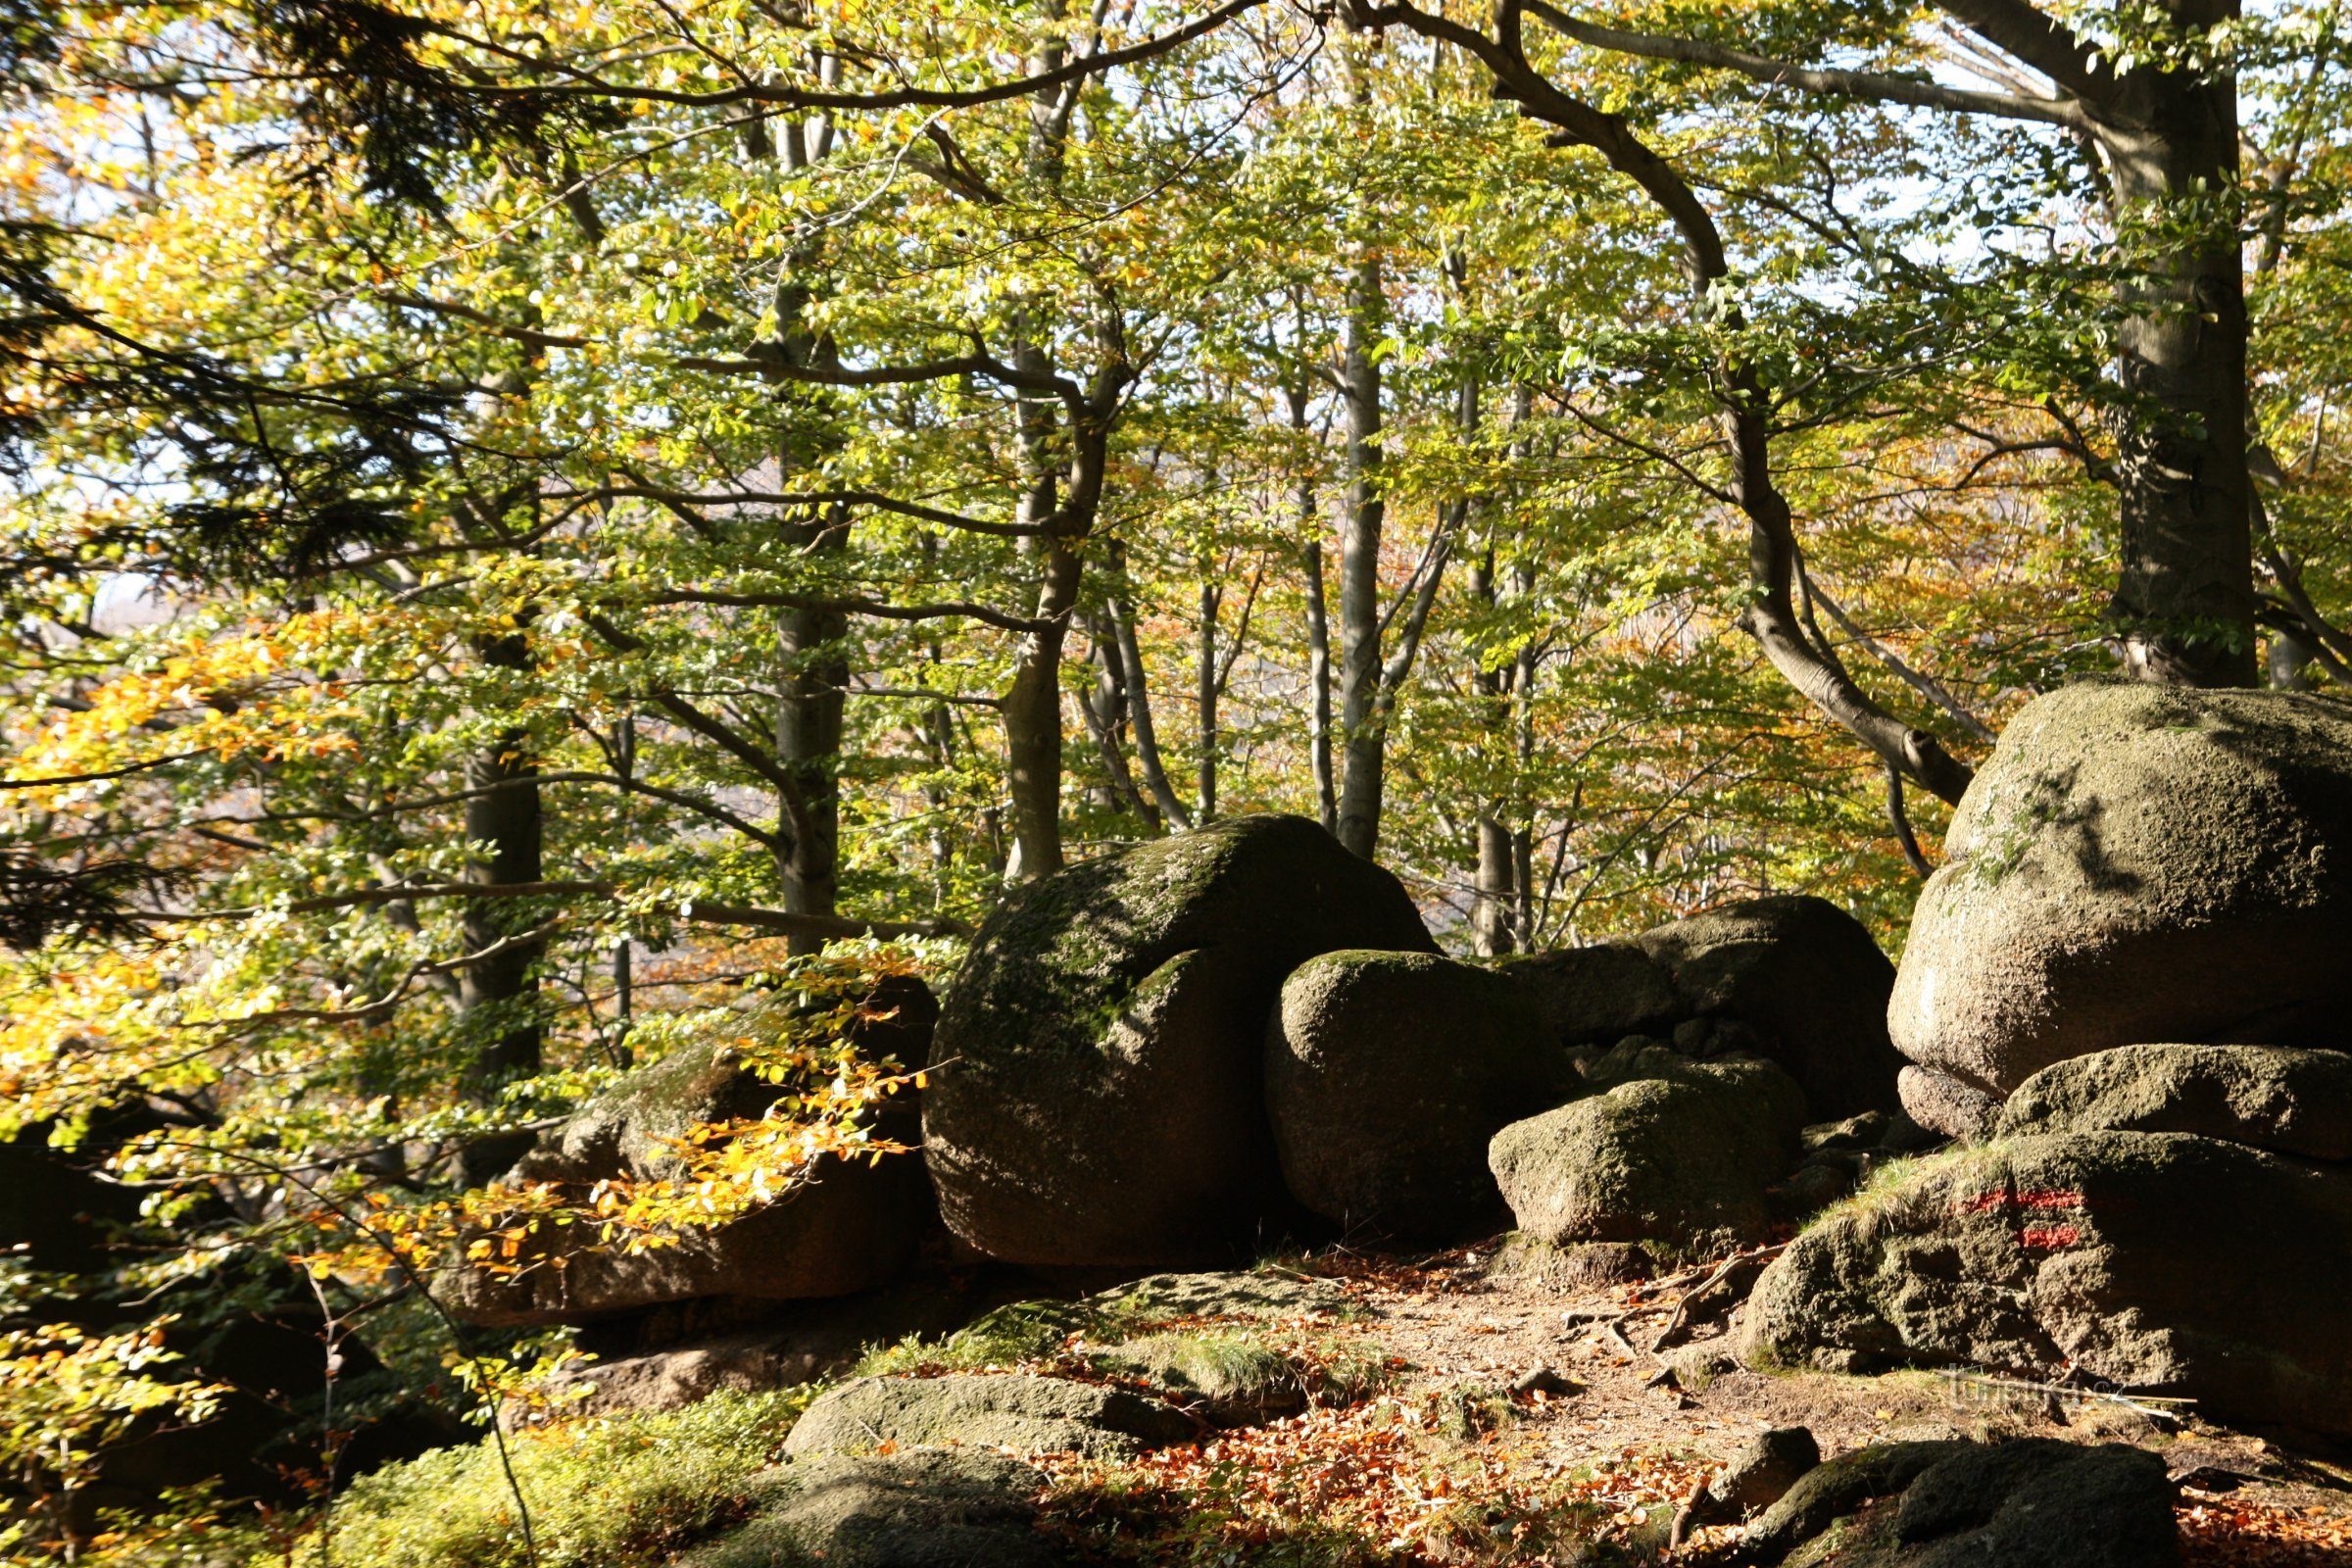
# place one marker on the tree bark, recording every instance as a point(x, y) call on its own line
point(502, 814)
point(1206, 685)
point(1363, 752)
point(2184, 597)
point(1318, 632)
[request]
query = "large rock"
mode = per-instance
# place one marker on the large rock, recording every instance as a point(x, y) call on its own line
point(57, 1216)
point(923, 1508)
point(2030, 1503)
point(2148, 1263)
point(1004, 1410)
point(1386, 1075)
point(1596, 995)
point(2138, 862)
point(850, 1227)
point(1807, 979)
point(2271, 1096)
point(1098, 1083)
point(1676, 1156)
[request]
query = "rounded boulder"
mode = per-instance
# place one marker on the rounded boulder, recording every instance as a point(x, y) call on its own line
point(1096, 1088)
point(2138, 863)
point(1387, 1073)
point(1675, 1156)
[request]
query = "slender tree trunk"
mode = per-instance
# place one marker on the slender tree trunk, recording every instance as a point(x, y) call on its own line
point(1147, 757)
point(1495, 881)
point(624, 978)
point(1361, 741)
point(505, 817)
point(813, 669)
point(1032, 708)
point(813, 683)
point(1318, 629)
point(1033, 719)
point(1205, 686)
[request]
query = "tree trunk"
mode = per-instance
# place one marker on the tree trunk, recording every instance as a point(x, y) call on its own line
point(813, 682)
point(2185, 599)
point(1033, 719)
point(504, 816)
point(1495, 881)
point(1318, 631)
point(1204, 677)
point(1362, 749)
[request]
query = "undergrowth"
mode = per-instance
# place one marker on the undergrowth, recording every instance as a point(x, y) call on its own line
point(624, 1492)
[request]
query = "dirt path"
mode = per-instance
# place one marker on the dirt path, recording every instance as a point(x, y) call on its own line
point(1448, 1466)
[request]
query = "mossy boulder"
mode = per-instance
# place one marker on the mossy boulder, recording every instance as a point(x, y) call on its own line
point(1229, 1379)
point(1809, 982)
point(2270, 1097)
point(922, 1508)
point(1674, 1156)
point(2138, 862)
point(850, 1227)
point(1387, 1073)
point(1249, 1295)
point(2034, 1503)
point(2156, 1263)
point(1097, 1088)
point(1007, 1410)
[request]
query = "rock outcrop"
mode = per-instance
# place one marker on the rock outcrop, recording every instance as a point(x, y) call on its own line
point(2138, 863)
point(2156, 1263)
point(922, 1508)
point(2029, 1503)
point(2269, 1096)
point(1806, 978)
point(1011, 1410)
point(1387, 1073)
point(850, 1227)
point(1098, 1083)
point(1674, 1154)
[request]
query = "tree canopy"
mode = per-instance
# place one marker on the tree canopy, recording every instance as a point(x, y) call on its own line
point(529, 522)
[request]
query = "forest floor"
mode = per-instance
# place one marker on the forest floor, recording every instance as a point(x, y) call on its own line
point(1446, 1464)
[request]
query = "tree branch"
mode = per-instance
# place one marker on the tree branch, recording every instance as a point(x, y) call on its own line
point(816, 926)
point(1874, 85)
point(789, 97)
point(2021, 30)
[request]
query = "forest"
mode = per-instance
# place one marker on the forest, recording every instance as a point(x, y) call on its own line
point(1119, 745)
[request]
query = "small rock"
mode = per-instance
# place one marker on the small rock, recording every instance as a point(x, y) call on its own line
point(1697, 1365)
point(1761, 1474)
point(1229, 1380)
point(1852, 1134)
point(1544, 1381)
point(2032, 1503)
point(1940, 1101)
